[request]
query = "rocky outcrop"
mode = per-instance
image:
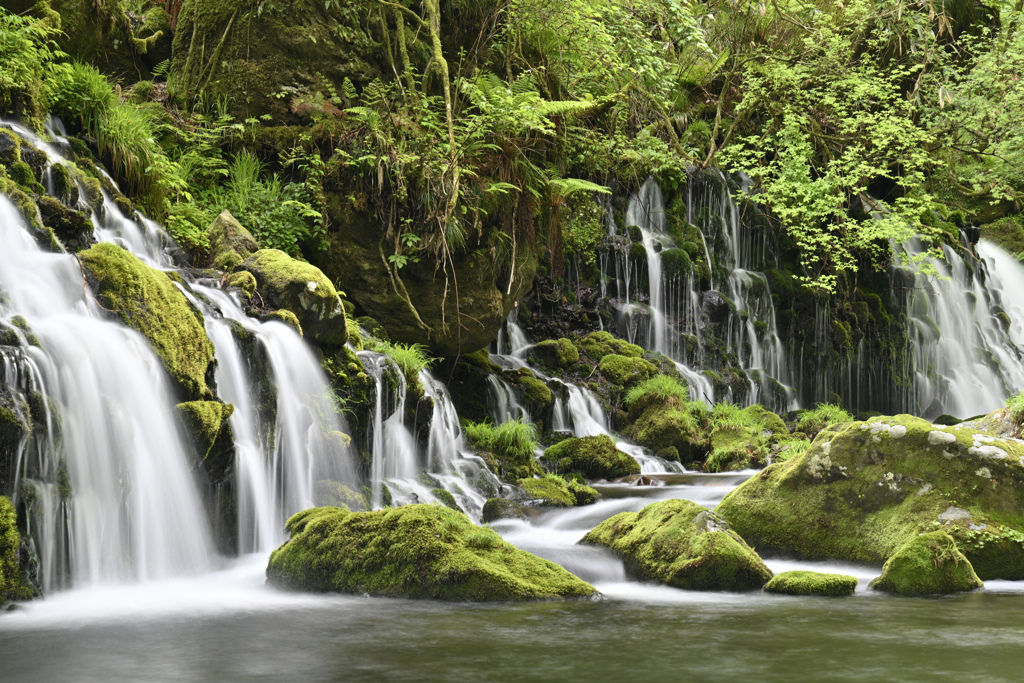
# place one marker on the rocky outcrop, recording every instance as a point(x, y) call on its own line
point(210, 431)
point(864, 489)
point(230, 242)
point(416, 551)
point(12, 583)
point(682, 544)
point(593, 457)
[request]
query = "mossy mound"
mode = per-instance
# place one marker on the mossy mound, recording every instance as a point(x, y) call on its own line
point(594, 457)
point(536, 395)
point(416, 551)
point(73, 228)
point(597, 345)
point(296, 286)
point(501, 508)
point(210, 432)
point(930, 563)
point(555, 354)
point(549, 491)
point(799, 582)
point(863, 489)
point(626, 371)
point(230, 242)
point(147, 301)
point(682, 544)
point(673, 428)
point(243, 281)
point(12, 583)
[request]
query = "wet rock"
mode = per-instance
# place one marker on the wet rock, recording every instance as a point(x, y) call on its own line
point(800, 582)
point(501, 508)
point(73, 228)
point(716, 307)
point(415, 551)
point(929, 563)
point(593, 457)
point(207, 424)
point(230, 242)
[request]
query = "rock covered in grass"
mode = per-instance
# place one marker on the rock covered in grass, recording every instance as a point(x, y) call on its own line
point(594, 457)
point(682, 544)
point(554, 491)
point(296, 286)
point(863, 489)
point(927, 564)
point(800, 582)
point(416, 551)
point(147, 300)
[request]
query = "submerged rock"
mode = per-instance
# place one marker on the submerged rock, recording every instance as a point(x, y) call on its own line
point(682, 544)
point(146, 300)
point(594, 457)
point(929, 563)
point(799, 582)
point(298, 287)
point(415, 551)
point(864, 489)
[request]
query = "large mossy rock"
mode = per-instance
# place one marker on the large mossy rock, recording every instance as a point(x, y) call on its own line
point(210, 432)
point(863, 489)
point(800, 582)
point(416, 551)
point(673, 428)
point(303, 289)
point(148, 301)
point(594, 457)
point(682, 544)
point(268, 62)
point(12, 584)
point(230, 242)
point(930, 563)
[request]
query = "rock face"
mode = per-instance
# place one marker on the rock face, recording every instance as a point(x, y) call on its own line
point(682, 544)
point(800, 582)
point(207, 424)
point(292, 285)
point(864, 489)
point(147, 301)
point(594, 457)
point(929, 563)
point(416, 551)
point(12, 585)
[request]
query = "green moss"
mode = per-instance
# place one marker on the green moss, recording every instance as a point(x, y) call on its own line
point(625, 371)
point(536, 395)
point(863, 489)
point(1006, 233)
point(230, 243)
point(597, 345)
point(666, 425)
point(336, 494)
point(446, 498)
point(73, 228)
point(927, 564)
point(549, 491)
point(594, 457)
point(210, 431)
point(810, 422)
point(800, 582)
point(682, 544)
point(244, 281)
point(12, 583)
point(146, 300)
point(284, 316)
point(676, 263)
point(555, 354)
point(374, 328)
point(415, 551)
point(287, 283)
point(501, 508)
point(507, 448)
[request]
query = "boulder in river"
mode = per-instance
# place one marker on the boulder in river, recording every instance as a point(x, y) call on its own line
point(682, 544)
point(929, 563)
point(594, 457)
point(415, 551)
point(864, 489)
point(801, 582)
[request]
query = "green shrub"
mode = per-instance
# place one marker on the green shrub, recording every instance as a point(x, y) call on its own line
point(511, 444)
point(26, 56)
point(81, 96)
point(411, 359)
point(662, 386)
point(810, 422)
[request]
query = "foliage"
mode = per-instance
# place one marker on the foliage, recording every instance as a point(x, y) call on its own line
point(810, 422)
point(1015, 408)
point(27, 55)
point(662, 386)
point(514, 439)
point(411, 359)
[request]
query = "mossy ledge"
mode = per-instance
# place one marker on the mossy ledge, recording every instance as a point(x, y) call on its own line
point(147, 300)
point(682, 544)
point(799, 582)
point(415, 551)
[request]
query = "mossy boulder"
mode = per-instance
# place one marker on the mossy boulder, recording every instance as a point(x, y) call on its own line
point(73, 228)
point(597, 345)
point(147, 300)
point(682, 544)
point(536, 395)
point(230, 242)
point(12, 583)
point(415, 551)
point(303, 289)
point(625, 371)
point(243, 281)
point(927, 564)
point(210, 432)
point(594, 457)
point(555, 354)
point(800, 582)
point(549, 491)
point(670, 427)
point(501, 508)
point(864, 489)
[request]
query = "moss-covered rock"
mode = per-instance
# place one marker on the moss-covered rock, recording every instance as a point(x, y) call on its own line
point(555, 354)
point(207, 424)
point(594, 457)
point(929, 563)
point(864, 489)
point(669, 426)
point(625, 371)
point(536, 395)
point(148, 301)
point(296, 286)
point(682, 544)
point(230, 242)
point(73, 228)
point(597, 345)
point(549, 491)
point(12, 583)
point(501, 508)
point(1007, 233)
point(243, 281)
point(15, 426)
point(799, 582)
point(415, 551)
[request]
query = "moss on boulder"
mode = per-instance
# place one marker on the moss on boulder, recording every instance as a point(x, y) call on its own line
point(594, 457)
point(597, 345)
point(669, 426)
point(501, 508)
point(210, 431)
point(296, 286)
point(415, 551)
point(927, 564)
point(147, 300)
point(625, 371)
point(230, 242)
point(12, 583)
point(549, 491)
point(799, 582)
point(555, 354)
point(243, 281)
point(536, 395)
point(1006, 233)
point(73, 228)
point(682, 544)
point(864, 489)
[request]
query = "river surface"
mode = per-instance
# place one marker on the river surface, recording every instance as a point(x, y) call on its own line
point(229, 626)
